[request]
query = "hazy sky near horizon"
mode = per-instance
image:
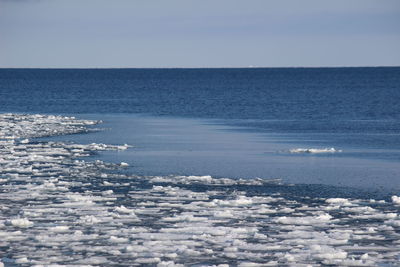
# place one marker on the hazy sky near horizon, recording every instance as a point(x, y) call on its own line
point(201, 33)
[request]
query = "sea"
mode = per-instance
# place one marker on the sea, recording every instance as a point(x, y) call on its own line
point(250, 162)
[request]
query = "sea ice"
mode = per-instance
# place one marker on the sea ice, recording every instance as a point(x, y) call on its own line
point(58, 209)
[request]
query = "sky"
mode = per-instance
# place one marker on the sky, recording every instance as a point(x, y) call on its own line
point(198, 33)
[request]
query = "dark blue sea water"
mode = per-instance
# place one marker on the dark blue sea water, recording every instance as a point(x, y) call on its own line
point(231, 122)
point(312, 95)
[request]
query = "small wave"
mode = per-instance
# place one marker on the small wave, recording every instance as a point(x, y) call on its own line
point(314, 150)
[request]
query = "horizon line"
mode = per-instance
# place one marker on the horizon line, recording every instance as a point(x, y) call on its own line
point(243, 67)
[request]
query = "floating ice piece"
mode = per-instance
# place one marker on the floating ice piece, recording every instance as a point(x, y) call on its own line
point(169, 264)
point(59, 229)
point(314, 150)
point(206, 178)
point(252, 264)
point(338, 201)
point(89, 219)
point(223, 214)
point(124, 210)
point(22, 260)
point(21, 222)
point(239, 201)
point(396, 200)
point(309, 220)
point(115, 239)
point(124, 164)
point(364, 256)
point(393, 222)
point(123, 147)
point(148, 260)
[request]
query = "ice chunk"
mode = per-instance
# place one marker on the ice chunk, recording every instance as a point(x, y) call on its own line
point(22, 260)
point(21, 222)
point(115, 239)
point(396, 199)
point(314, 150)
point(59, 229)
point(169, 264)
point(124, 210)
point(338, 201)
point(148, 260)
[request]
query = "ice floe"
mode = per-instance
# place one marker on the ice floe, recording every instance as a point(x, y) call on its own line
point(57, 209)
point(23, 222)
point(314, 150)
point(396, 200)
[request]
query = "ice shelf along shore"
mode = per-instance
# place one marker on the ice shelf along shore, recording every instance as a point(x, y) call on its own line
point(57, 209)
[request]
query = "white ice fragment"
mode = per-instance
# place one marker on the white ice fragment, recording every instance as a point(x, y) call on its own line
point(393, 222)
point(78, 232)
point(89, 219)
point(185, 217)
point(115, 239)
point(21, 222)
point(260, 236)
point(123, 209)
point(148, 260)
point(205, 178)
point(169, 264)
point(250, 264)
point(396, 200)
point(107, 192)
point(123, 147)
point(364, 256)
point(59, 228)
point(289, 257)
point(242, 200)
point(124, 164)
point(239, 201)
point(324, 217)
point(390, 215)
point(327, 253)
point(230, 255)
point(338, 201)
point(171, 255)
point(314, 150)
point(223, 214)
point(305, 220)
point(22, 260)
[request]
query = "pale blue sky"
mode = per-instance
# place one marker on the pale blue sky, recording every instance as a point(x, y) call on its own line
point(202, 33)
